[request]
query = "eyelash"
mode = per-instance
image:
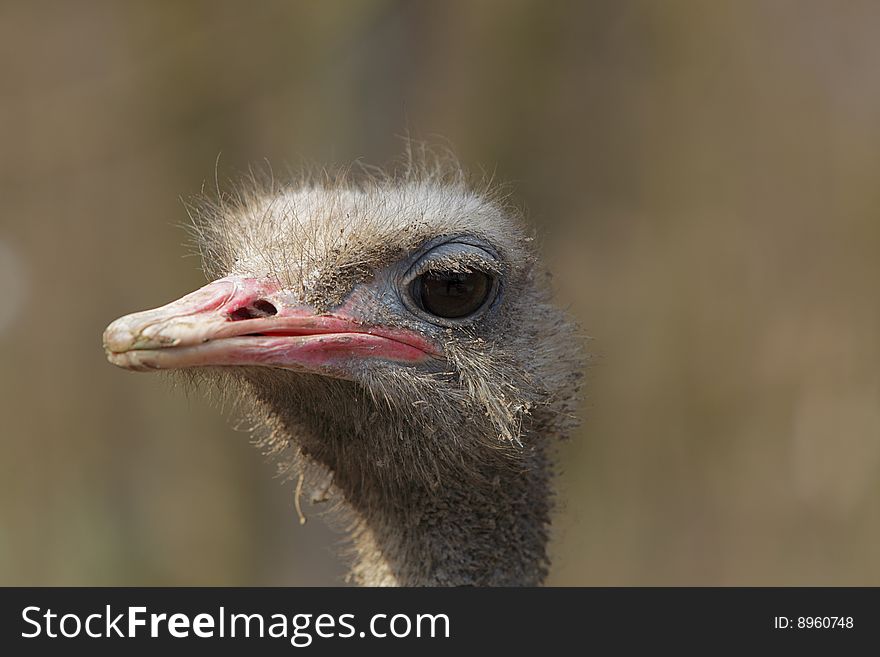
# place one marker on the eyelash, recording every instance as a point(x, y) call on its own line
point(446, 264)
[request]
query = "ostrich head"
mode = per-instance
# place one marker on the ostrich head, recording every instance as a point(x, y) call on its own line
point(396, 337)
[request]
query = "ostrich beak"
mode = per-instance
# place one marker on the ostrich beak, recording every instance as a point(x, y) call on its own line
point(246, 321)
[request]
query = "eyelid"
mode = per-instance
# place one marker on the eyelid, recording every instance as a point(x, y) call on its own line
point(455, 257)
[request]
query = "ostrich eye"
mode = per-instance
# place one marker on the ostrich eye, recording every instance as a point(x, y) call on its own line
point(452, 294)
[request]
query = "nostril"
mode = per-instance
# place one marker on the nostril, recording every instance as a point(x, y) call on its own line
point(265, 307)
point(259, 308)
point(241, 313)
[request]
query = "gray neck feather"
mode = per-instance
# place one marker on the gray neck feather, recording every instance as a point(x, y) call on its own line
point(453, 508)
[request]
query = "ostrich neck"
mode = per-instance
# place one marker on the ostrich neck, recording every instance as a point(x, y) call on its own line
point(426, 513)
point(486, 530)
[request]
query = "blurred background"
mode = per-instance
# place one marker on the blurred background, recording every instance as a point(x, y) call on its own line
point(706, 180)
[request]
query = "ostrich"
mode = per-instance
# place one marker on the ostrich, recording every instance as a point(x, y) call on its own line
point(395, 336)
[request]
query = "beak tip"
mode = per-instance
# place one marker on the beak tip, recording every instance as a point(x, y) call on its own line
point(118, 337)
point(133, 360)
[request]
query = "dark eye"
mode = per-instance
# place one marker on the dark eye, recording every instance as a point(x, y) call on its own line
point(452, 294)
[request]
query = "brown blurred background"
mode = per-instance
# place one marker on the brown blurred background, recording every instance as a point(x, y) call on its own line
point(706, 177)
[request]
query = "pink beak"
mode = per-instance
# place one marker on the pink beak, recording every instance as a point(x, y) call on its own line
point(245, 321)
